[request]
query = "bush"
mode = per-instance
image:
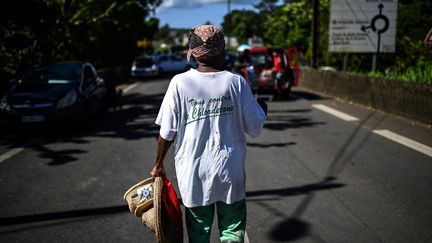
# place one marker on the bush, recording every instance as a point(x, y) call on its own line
point(420, 73)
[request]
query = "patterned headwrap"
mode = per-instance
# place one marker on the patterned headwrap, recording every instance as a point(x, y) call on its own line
point(205, 41)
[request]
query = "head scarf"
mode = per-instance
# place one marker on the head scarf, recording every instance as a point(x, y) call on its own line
point(210, 43)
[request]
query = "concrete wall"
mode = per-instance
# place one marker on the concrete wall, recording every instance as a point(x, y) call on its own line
point(402, 98)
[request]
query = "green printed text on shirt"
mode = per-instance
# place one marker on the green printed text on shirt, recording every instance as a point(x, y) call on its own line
point(202, 108)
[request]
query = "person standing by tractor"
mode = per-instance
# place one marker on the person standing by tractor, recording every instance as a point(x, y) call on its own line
point(278, 69)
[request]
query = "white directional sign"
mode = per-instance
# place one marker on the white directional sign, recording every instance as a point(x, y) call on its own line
point(363, 26)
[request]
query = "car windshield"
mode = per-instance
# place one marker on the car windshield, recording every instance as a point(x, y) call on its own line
point(53, 74)
point(144, 62)
point(258, 59)
point(44, 76)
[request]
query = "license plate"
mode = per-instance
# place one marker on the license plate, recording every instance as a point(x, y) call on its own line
point(35, 118)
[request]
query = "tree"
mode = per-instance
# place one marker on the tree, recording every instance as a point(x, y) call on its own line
point(113, 27)
point(266, 6)
point(414, 21)
point(288, 25)
point(242, 24)
point(103, 32)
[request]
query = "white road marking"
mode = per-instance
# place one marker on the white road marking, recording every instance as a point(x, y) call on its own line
point(334, 112)
point(246, 238)
point(405, 141)
point(10, 154)
point(130, 87)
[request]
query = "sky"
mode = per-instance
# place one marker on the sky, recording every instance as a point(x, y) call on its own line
point(190, 13)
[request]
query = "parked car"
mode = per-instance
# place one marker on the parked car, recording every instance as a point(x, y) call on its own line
point(261, 76)
point(55, 92)
point(152, 65)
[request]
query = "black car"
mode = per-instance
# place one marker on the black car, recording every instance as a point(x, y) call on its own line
point(55, 92)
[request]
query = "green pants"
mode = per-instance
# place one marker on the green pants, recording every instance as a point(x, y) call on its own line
point(231, 222)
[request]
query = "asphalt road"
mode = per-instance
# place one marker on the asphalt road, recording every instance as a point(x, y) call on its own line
point(311, 176)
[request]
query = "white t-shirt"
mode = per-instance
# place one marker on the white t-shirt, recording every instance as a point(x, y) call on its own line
point(208, 114)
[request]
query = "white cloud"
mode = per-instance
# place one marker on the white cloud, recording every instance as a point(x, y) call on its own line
point(196, 3)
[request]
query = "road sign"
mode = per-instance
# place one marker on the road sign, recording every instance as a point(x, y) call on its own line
point(363, 26)
point(143, 43)
point(428, 39)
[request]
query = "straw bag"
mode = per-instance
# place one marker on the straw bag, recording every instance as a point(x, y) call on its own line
point(145, 199)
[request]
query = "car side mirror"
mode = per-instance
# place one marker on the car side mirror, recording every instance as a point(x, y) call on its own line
point(100, 81)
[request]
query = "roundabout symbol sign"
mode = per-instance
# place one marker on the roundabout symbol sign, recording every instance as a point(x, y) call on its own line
point(378, 29)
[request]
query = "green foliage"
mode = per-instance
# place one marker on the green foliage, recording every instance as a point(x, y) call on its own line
point(242, 24)
point(420, 73)
point(113, 28)
point(290, 23)
point(266, 6)
point(169, 39)
point(412, 60)
point(100, 31)
point(278, 25)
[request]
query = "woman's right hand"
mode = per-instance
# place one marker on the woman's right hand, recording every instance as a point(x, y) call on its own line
point(158, 170)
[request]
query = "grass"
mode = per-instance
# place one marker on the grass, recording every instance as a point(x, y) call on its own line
point(421, 74)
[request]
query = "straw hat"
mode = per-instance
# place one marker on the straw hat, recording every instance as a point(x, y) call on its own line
point(145, 201)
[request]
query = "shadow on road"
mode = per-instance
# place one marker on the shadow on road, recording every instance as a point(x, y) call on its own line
point(282, 119)
point(302, 94)
point(290, 229)
point(135, 121)
point(268, 145)
point(294, 191)
point(298, 94)
point(289, 119)
point(293, 227)
point(280, 123)
point(62, 215)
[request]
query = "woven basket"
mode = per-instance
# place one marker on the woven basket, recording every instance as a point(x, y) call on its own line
point(151, 211)
point(136, 205)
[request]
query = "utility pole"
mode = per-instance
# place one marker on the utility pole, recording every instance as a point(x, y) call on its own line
point(228, 34)
point(315, 33)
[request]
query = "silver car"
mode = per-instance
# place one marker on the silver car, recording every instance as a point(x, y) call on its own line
point(153, 65)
